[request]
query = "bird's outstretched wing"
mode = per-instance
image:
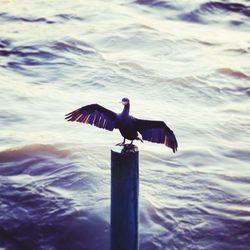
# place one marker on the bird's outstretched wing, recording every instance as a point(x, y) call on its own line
point(94, 114)
point(156, 131)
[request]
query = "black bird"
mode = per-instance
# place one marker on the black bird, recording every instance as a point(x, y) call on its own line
point(129, 126)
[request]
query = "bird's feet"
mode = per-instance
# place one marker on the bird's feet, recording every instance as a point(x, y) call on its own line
point(128, 146)
point(122, 143)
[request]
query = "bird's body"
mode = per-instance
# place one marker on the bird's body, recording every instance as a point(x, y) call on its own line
point(129, 126)
point(126, 124)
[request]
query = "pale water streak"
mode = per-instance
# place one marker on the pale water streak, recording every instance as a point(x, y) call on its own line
point(185, 62)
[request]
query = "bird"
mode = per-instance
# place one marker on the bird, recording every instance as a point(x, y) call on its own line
point(129, 126)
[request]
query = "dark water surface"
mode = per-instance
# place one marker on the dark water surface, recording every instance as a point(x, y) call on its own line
point(185, 62)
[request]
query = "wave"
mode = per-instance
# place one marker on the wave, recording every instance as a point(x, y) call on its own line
point(50, 53)
point(75, 46)
point(211, 12)
point(243, 155)
point(60, 18)
point(39, 208)
point(214, 7)
point(43, 220)
point(8, 118)
point(25, 55)
point(157, 3)
point(17, 154)
point(204, 13)
point(233, 73)
point(237, 91)
point(7, 18)
point(27, 51)
point(66, 17)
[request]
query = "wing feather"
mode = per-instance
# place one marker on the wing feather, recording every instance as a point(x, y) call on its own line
point(94, 114)
point(158, 132)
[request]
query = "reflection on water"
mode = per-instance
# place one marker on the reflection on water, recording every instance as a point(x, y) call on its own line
point(183, 62)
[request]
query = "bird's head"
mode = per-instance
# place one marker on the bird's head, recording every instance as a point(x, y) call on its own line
point(125, 101)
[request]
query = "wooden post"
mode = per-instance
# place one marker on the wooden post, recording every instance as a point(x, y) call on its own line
point(124, 198)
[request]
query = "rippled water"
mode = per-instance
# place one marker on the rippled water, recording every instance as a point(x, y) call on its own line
point(184, 62)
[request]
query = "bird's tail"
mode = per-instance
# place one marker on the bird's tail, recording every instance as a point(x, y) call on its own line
point(138, 138)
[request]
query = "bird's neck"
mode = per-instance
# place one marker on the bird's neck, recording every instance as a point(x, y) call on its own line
point(125, 111)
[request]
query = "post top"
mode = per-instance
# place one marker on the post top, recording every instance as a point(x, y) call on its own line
point(125, 149)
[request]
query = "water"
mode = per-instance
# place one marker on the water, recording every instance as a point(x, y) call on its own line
point(184, 62)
